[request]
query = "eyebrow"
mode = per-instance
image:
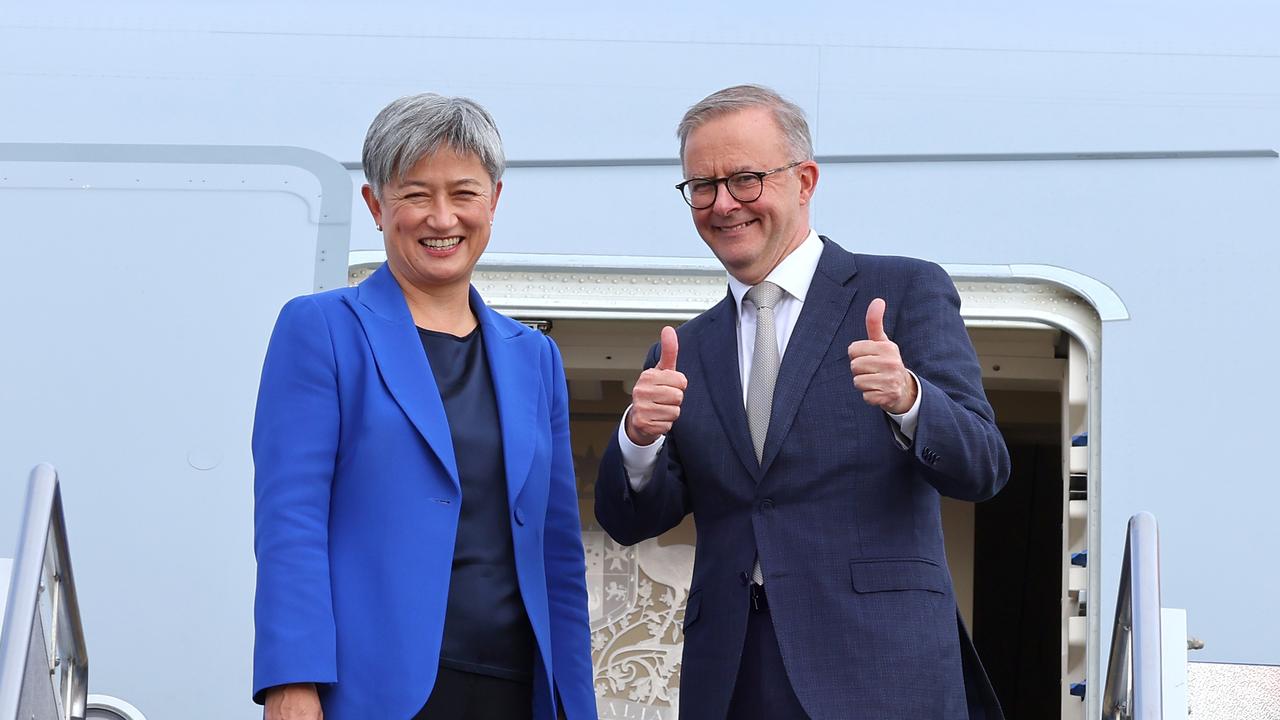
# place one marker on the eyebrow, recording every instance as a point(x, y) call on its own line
point(456, 183)
point(731, 173)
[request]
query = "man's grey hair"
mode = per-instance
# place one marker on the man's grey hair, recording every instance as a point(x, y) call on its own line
point(788, 115)
point(416, 126)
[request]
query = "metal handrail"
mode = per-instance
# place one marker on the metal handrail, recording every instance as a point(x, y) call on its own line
point(43, 564)
point(1133, 671)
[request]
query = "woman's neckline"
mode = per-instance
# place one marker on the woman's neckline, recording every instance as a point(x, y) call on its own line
point(449, 335)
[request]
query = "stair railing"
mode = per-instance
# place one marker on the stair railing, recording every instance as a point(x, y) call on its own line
point(1133, 689)
point(43, 676)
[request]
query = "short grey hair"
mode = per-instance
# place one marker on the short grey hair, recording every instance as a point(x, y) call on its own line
point(788, 115)
point(416, 126)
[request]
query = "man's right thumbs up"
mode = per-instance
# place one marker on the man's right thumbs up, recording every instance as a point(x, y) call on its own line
point(670, 346)
point(875, 321)
point(655, 401)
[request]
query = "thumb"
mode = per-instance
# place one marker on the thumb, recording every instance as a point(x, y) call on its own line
point(670, 346)
point(875, 320)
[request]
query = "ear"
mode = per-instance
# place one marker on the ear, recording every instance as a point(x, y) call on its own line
point(493, 204)
point(808, 174)
point(375, 205)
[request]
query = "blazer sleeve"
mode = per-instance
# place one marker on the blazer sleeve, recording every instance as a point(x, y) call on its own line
point(565, 560)
point(631, 516)
point(956, 439)
point(295, 440)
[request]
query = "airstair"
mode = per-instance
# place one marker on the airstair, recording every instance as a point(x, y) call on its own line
point(44, 662)
point(1148, 676)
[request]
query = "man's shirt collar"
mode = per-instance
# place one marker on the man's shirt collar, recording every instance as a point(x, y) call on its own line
point(793, 274)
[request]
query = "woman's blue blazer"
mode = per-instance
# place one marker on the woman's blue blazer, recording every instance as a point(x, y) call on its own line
point(357, 497)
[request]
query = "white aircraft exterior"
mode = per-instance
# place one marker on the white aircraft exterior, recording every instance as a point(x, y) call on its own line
point(1100, 179)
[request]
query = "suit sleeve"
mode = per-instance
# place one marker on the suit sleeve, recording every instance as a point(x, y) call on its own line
point(565, 561)
point(631, 516)
point(295, 439)
point(956, 438)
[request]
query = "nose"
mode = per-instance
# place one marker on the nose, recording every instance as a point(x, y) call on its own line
point(441, 214)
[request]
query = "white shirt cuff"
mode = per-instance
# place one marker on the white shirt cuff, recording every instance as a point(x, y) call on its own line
point(905, 431)
point(639, 460)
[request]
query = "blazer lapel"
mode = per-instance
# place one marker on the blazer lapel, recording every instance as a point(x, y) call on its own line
point(825, 306)
point(718, 352)
point(514, 366)
point(402, 362)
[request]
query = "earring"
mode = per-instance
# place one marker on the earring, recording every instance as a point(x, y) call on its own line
point(379, 227)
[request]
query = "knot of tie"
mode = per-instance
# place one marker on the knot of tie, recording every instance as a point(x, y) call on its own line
point(765, 295)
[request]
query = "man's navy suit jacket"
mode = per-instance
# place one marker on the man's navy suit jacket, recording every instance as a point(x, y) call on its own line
point(357, 502)
point(846, 521)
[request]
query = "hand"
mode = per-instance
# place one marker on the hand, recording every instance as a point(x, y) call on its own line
point(877, 367)
point(299, 701)
point(655, 401)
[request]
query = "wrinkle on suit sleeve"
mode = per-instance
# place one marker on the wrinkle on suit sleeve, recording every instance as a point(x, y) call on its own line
point(956, 438)
point(295, 441)
point(630, 515)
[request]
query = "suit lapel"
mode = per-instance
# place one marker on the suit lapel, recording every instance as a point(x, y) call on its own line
point(718, 352)
point(402, 362)
point(825, 306)
point(513, 364)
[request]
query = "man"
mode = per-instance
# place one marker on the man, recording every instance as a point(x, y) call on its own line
point(810, 421)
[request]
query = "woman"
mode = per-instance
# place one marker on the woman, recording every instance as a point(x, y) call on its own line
point(417, 535)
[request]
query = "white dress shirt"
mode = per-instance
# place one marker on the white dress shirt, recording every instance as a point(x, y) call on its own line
point(793, 275)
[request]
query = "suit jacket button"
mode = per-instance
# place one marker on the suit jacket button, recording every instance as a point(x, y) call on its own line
point(519, 517)
point(766, 504)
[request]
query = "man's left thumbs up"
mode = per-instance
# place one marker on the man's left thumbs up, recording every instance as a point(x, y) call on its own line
point(877, 366)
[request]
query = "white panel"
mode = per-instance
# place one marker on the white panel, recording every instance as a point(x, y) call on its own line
point(1076, 632)
point(1077, 387)
point(1077, 579)
point(141, 319)
point(1078, 515)
point(1225, 691)
point(106, 707)
point(6, 572)
point(1079, 460)
point(1173, 663)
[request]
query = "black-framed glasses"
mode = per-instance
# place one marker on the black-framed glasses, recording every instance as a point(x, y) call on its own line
point(745, 187)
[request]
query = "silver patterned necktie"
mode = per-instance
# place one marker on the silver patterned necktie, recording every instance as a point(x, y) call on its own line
point(765, 361)
point(764, 364)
